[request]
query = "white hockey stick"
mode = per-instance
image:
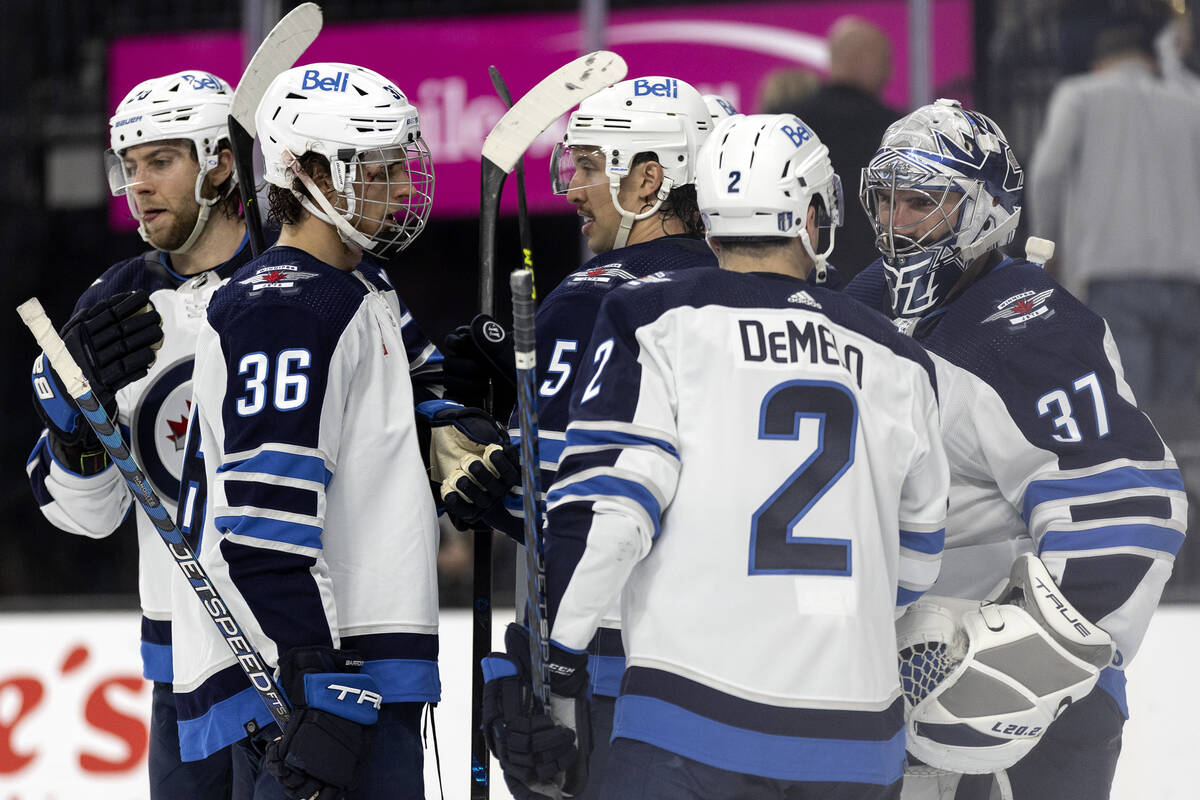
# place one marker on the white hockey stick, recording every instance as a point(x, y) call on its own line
point(77, 386)
point(281, 48)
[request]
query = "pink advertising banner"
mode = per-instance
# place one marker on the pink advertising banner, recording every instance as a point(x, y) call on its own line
point(442, 64)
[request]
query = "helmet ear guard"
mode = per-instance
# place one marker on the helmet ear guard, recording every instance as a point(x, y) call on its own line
point(983, 681)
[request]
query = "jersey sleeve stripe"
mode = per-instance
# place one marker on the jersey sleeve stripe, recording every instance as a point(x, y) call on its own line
point(283, 464)
point(610, 487)
point(595, 438)
point(1143, 537)
point(1122, 478)
point(273, 497)
point(249, 528)
point(1158, 507)
point(906, 597)
point(930, 543)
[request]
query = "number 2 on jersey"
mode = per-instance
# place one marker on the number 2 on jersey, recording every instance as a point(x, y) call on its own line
point(773, 549)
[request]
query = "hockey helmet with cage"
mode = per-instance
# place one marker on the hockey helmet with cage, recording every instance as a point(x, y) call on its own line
point(367, 130)
point(191, 105)
point(960, 161)
point(757, 175)
point(983, 681)
point(655, 114)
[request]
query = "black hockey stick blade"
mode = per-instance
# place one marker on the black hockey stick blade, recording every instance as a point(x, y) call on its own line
point(281, 48)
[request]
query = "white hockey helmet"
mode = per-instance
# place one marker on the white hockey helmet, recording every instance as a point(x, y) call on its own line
point(191, 105)
point(757, 175)
point(952, 155)
point(364, 125)
point(655, 114)
point(983, 681)
point(719, 108)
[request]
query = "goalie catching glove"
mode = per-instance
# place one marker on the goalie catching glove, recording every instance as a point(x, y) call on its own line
point(983, 681)
point(537, 749)
point(114, 344)
point(472, 464)
point(329, 735)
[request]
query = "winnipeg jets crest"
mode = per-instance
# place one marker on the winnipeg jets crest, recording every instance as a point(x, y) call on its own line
point(283, 278)
point(160, 421)
point(1023, 307)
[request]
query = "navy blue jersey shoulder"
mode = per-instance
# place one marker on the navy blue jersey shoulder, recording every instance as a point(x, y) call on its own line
point(640, 302)
point(149, 271)
point(1033, 343)
point(870, 287)
point(288, 287)
point(665, 254)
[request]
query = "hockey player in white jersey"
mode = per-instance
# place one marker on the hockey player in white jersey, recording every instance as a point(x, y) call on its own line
point(752, 467)
point(171, 160)
point(319, 526)
point(1049, 454)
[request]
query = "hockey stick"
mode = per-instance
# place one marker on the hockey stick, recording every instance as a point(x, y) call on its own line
point(286, 42)
point(523, 227)
point(553, 96)
point(525, 347)
point(247, 657)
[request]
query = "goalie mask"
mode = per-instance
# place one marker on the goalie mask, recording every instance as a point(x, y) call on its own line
point(658, 115)
point(756, 177)
point(191, 105)
point(943, 189)
point(364, 126)
point(983, 681)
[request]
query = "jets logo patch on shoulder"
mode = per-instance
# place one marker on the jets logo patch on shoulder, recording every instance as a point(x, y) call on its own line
point(601, 275)
point(803, 298)
point(1023, 307)
point(283, 278)
point(654, 277)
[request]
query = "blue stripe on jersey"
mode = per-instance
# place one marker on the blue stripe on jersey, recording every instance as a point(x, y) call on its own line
point(1122, 478)
point(1113, 682)
point(406, 680)
point(156, 650)
point(906, 596)
point(548, 450)
point(590, 437)
point(605, 674)
point(221, 725)
point(40, 471)
point(612, 486)
point(271, 530)
point(930, 543)
point(794, 758)
point(1147, 536)
point(284, 465)
point(291, 499)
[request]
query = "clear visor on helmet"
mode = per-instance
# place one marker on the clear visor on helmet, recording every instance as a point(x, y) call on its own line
point(393, 194)
point(912, 211)
point(833, 217)
point(576, 167)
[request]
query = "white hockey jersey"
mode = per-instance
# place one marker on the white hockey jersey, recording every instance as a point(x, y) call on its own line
point(153, 415)
point(319, 526)
point(753, 465)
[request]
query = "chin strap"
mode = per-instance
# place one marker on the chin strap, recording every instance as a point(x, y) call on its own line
point(206, 205)
point(356, 240)
point(628, 217)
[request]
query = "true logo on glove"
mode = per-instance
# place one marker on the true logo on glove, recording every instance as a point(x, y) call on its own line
point(364, 695)
point(493, 331)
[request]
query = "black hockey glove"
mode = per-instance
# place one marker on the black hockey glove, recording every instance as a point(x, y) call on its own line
point(472, 464)
point(539, 756)
point(329, 735)
point(113, 342)
point(474, 354)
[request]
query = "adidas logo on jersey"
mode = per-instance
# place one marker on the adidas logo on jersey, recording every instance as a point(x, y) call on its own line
point(803, 298)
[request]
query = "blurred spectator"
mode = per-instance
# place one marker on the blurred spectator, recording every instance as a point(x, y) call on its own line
point(1178, 49)
point(850, 118)
point(785, 88)
point(1115, 181)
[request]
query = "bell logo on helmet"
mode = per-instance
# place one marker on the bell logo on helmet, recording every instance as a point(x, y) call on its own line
point(313, 80)
point(200, 81)
point(798, 133)
point(668, 88)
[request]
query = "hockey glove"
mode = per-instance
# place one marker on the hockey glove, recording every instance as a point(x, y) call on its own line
point(533, 750)
point(113, 342)
point(474, 354)
point(472, 464)
point(329, 735)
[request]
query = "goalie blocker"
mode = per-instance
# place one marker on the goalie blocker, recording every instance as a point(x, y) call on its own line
point(983, 681)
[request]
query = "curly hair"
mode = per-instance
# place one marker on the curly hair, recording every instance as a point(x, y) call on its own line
point(283, 207)
point(680, 203)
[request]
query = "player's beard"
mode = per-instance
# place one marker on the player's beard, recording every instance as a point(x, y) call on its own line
point(183, 221)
